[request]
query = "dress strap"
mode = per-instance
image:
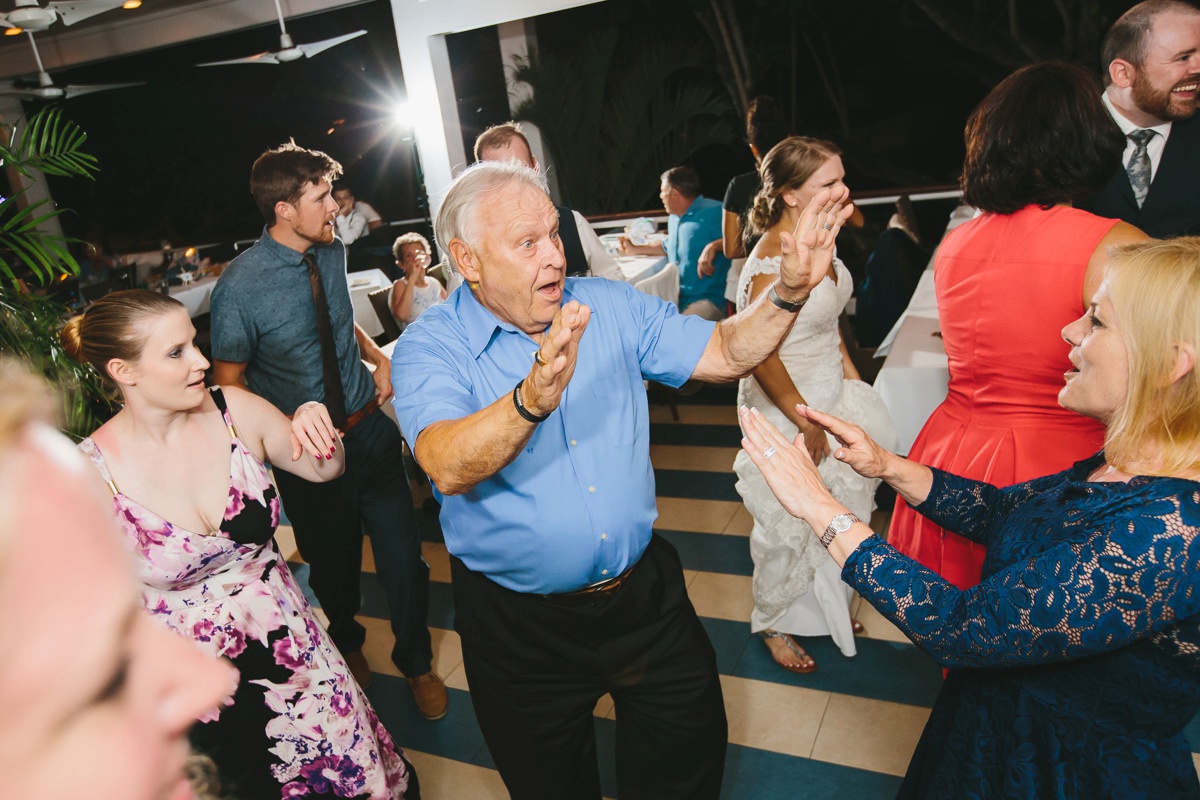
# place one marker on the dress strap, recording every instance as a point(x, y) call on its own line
point(219, 398)
point(92, 451)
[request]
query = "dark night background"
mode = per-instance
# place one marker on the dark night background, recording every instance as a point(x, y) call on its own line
point(175, 154)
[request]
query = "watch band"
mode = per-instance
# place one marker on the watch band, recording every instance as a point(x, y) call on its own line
point(525, 413)
point(784, 304)
point(839, 524)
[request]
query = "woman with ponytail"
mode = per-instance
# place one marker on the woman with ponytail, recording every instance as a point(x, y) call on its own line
point(185, 467)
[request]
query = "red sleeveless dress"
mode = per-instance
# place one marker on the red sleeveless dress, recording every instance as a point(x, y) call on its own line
point(1007, 284)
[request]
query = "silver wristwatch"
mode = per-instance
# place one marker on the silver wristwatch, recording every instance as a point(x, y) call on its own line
point(839, 524)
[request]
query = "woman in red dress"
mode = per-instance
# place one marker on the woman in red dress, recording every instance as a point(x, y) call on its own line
point(1007, 282)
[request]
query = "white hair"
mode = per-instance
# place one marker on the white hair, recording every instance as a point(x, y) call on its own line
point(456, 216)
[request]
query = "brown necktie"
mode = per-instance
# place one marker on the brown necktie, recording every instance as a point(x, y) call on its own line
point(335, 398)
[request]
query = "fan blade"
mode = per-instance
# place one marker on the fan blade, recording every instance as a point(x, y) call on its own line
point(12, 90)
point(74, 91)
point(311, 50)
point(72, 12)
point(4, 21)
point(261, 58)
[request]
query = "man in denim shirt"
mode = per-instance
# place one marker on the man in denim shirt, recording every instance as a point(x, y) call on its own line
point(265, 334)
point(528, 411)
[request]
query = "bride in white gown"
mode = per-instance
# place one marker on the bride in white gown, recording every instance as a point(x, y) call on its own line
point(797, 586)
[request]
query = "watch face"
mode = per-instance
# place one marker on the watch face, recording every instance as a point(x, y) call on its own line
point(842, 522)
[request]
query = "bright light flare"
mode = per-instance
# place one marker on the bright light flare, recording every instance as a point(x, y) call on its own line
point(402, 115)
point(13, 31)
point(129, 5)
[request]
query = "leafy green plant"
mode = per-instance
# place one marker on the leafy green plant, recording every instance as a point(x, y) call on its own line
point(615, 116)
point(29, 323)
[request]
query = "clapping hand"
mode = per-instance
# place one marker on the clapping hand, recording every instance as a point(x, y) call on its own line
point(858, 450)
point(556, 358)
point(808, 250)
point(787, 466)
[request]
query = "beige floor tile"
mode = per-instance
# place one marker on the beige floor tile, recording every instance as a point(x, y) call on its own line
point(773, 716)
point(368, 555)
point(447, 779)
point(447, 651)
point(689, 575)
point(881, 518)
point(701, 516)
point(695, 415)
point(285, 537)
point(698, 459)
point(869, 734)
point(722, 596)
point(877, 626)
point(605, 708)
point(438, 559)
point(1196, 761)
point(740, 524)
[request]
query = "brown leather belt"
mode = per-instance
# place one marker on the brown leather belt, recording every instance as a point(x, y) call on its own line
point(360, 415)
point(596, 591)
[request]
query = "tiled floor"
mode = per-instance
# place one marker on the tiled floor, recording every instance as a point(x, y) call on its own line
point(845, 731)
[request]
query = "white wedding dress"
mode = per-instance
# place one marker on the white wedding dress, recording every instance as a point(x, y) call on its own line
point(797, 586)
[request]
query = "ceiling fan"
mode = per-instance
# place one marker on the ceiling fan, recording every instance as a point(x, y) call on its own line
point(288, 50)
point(29, 16)
point(47, 90)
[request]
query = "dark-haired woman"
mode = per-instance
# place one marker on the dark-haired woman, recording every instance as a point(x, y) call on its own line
point(797, 591)
point(1007, 282)
point(185, 466)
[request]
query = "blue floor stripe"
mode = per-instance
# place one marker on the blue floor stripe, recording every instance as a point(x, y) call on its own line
point(696, 435)
point(750, 773)
point(711, 552)
point(696, 485)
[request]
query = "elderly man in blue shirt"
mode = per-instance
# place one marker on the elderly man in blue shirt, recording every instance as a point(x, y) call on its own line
point(525, 403)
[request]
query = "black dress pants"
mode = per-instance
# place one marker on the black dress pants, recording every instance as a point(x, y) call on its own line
point(329, 519)
point(537, 665)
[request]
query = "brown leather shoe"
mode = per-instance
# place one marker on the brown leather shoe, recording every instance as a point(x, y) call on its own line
point(430, 695)
point(359, 668)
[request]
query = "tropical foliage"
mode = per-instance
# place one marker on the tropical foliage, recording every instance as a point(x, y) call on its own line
point(614, 116)
point(29, 322)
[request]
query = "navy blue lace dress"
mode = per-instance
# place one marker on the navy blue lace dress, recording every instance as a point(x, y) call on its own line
point(1075, 664)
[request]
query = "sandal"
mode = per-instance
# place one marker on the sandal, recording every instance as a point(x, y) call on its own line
point(795, 648)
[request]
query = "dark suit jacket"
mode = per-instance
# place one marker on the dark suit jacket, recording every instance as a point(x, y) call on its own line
point(1172, 206)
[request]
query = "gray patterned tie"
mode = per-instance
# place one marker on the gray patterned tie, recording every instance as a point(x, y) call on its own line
point(1138, 167)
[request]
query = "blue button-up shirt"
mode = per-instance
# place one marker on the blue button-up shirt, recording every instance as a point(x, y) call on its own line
point(687, 236)
point(576, 505)
point(262, 315)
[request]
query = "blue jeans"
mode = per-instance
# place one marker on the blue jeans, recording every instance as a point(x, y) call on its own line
point(329, 520)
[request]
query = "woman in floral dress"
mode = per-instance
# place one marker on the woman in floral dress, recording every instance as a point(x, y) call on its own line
point(185, 468)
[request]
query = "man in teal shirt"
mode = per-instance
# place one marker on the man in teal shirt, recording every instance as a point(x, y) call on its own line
point(694, 222)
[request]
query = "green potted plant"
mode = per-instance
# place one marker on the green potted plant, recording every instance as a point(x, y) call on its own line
point(29, 321)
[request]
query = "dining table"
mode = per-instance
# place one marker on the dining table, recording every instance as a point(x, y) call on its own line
point(915, 375)
point(195, 295)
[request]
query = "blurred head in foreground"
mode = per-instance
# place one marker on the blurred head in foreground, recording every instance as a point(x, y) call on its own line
point(97, 696)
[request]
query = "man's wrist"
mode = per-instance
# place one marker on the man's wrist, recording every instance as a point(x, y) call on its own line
point(784, 301)
point(527, 414)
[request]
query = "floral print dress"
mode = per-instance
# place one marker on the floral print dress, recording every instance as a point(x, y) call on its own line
point(298, 724)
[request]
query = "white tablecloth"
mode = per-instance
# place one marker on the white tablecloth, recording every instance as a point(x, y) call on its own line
point(195, 296)
point(362, 284)
point(914, 377)
point(635, 268)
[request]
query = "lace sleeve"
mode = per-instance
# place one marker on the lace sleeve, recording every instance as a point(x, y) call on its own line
point(1135, 574)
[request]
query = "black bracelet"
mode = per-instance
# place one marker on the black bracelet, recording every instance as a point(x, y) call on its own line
point(784, 304)
point(525, 413)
